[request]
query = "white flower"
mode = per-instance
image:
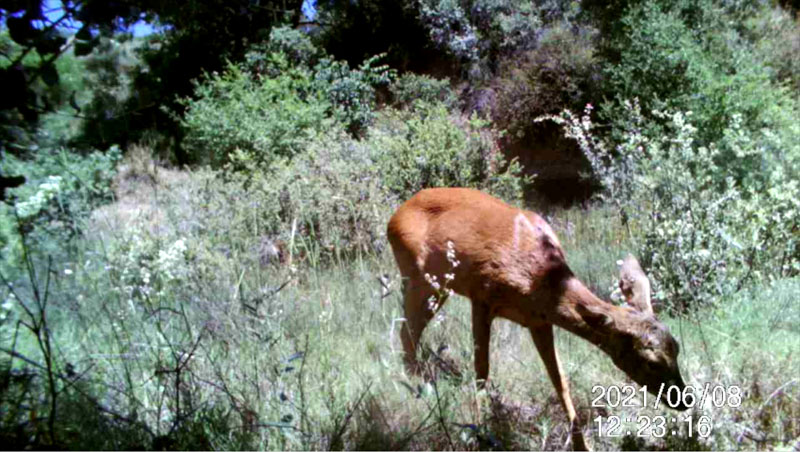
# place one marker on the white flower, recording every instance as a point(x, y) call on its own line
point(37, 202)
point(451, 254)
point(67, 271)
point(432, 280)
point(432, 303)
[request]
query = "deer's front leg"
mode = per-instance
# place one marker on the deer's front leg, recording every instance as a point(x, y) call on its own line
point(543, 338)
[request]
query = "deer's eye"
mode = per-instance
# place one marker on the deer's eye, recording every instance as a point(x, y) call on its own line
point(650, 342)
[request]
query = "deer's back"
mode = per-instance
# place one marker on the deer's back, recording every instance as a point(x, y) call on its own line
point(497, 245)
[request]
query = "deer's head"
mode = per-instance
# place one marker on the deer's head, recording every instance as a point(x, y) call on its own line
point(647, 352)
point(636, 341)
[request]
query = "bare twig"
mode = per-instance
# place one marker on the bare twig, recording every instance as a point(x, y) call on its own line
point(70, 381)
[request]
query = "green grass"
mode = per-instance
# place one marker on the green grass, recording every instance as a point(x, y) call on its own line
point(217, 350)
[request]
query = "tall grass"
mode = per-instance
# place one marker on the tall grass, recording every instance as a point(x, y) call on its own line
point(170, 331)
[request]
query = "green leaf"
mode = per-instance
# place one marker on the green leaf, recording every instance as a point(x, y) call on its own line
point(50, 75)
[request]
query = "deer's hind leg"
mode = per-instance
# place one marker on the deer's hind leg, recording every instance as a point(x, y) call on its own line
point(481, 334)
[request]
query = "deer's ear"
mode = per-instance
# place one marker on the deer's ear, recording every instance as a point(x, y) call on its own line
point(594, 317)
point(634, 285)
point(644, 305)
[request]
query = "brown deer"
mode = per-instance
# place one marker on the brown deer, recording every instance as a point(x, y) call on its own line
point(511, 265)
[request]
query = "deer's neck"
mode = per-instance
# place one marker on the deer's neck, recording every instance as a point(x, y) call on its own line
point(581, 312)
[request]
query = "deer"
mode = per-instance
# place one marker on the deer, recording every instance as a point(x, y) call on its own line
point(511, 265)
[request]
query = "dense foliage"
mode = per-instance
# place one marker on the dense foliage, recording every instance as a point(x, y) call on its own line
point(271, 106)
point(195, 37)
point(245, 298)
point(333, 198)
point(702, 232)
point(702, 149)
point(62, 188)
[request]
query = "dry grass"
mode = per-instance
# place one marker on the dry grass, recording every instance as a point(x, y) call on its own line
point(145, 194)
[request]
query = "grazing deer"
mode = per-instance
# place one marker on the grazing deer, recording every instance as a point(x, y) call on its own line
point(512, 266)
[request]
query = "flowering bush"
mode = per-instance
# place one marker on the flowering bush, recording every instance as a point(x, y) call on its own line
point(38, 202)
point(145, 269)
point(61, 189)
point(701, 231)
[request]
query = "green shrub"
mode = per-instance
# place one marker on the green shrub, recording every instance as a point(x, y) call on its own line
point(270, 118)
point(721, 183)
point(49, 120)
point(410, 88)
point(701, 233)
point(775, 38)
point(61, 190)
point(333, 200)
point(273, 103)
point(328, 201)
point(557, 74)
point(478, 32)
point(110, 98)
point(693, 58)
point(279, 127)
point(295, 44)
point(428, 147)
point(659, 56)
point(481, 34)
point(352, 91)
point(448, 23)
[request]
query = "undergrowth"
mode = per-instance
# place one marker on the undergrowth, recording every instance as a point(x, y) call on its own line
point(162, 332)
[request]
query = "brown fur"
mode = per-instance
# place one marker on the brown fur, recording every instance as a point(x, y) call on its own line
point(512, 266)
